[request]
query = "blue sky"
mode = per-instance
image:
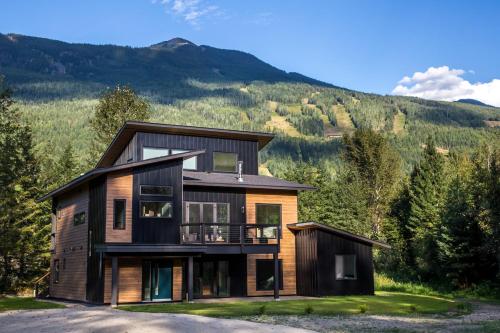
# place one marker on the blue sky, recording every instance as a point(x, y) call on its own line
point(364, 45)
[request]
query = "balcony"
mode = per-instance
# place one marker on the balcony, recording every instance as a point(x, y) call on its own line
point(233, 234)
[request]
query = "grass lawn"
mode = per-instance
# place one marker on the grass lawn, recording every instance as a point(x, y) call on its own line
point(25, 303)
point(382, 303)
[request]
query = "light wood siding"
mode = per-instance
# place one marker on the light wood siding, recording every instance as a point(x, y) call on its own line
point(119, 186)
point(288, 201)
point(177, 280)
point(129, 281)
point(71, 247)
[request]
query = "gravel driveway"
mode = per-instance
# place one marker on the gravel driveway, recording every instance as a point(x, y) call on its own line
point(81, 318)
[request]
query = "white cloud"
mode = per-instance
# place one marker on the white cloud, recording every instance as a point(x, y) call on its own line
point(191, 11)
point(445, 84)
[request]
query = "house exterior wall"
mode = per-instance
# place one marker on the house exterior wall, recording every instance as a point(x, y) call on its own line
point(70, 247)
point(119, 186)
point(288, 201)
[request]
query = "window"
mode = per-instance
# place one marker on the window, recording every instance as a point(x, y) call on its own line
point(345, 267)
point(188, 164)
point(119, 213)
point(79, 218)
point(149, 152)
point(160, 209)
point(206, 212)
point(56, 271)
point(156, 190)
point(225, 162)
point(268, 214)
point(265, 274)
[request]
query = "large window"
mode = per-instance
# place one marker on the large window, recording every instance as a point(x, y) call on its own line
point(265, 274)
point(79, 218)
point(56, 271)
point(206, 212)
point(119, 213)
point(158, 209)
point(268, 214)
point(156, 190)
point(225, 162)
point(345, 267)
point(150, 152)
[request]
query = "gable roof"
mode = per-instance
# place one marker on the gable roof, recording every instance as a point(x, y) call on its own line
point(340, 232)
point(249, 181)
point(94, 173)
point(128, 130)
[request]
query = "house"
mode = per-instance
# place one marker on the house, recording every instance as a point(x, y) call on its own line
point(174, 213)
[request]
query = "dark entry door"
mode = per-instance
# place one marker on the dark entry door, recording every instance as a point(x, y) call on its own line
point(157, 280)
point(211, 278)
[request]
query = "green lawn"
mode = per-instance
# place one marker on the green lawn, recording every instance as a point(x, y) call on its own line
point(383, 303)
point(25, 303)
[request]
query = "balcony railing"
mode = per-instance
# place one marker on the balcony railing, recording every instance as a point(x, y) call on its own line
point(227, 233)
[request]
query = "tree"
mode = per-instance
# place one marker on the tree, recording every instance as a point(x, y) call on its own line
point(114, 109)
point(66, 167)
point(24, 230)
point(379, 169)
point(427, 198)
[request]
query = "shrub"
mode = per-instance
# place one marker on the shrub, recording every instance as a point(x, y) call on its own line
point(363, 308)
point(412, 308)
point(309, 309)
point(262, 310)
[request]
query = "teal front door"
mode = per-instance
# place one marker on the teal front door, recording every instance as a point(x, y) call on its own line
point(157, 280)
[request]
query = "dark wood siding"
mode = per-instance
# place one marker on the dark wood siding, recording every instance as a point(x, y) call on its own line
point(247, 150)
point(235, 198)
point(307, 264)
point(129, 154)
point(316, 250)
point(158, 230)
point(97, 220)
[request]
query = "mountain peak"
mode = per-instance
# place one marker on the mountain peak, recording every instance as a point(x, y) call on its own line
point(172, 43)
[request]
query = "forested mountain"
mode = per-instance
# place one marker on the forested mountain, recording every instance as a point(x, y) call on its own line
point(56, 85)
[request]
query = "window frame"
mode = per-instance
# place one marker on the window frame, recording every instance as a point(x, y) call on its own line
point(214, 210)
point(84, 213)
point(115, 227)
point(56, 271)
point(194, 158)
point(225, 152)
point(156, 217)
point(157, 195)
point(343, 261)
point(280, 274)
point(154, 148)
point(280, 218)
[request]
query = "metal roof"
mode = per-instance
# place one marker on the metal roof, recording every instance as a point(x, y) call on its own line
point(249, 181)
point(128, 130)
point(340, 232)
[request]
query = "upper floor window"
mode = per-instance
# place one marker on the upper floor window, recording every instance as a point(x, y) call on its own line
point(225, 162)
point(79, 218)
point(119, 213)
point(345, 267)
point(188, 164)
point(156, 190)
point(158, 209)
point(268, 214)
point(206, 212)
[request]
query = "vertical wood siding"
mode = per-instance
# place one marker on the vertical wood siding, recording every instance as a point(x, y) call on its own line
point(247, 150)
point(288, 201)
point(177, 280)
point(129, 280)
point(71, 247)
point(119, 186)
point(307, 263)
point(129, 154)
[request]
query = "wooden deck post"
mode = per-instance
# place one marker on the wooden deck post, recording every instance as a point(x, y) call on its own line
point(190, 279)
point(276, 277)
point(114, 281)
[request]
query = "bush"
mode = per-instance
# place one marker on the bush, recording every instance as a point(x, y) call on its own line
point(363, 308)
point(412, 308)
point(308, 310)
point(262, 310)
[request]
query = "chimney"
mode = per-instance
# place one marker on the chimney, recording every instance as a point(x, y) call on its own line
point(240, 171)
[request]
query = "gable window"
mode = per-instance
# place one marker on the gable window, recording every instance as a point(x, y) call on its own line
point(225, 162)
point(188, 164)
point(79, 218)
point(150, 152)
point(268, 214)
point(264, 274)
point(56, 271)
point(158, 209)
point(345, 267)
point(156, 190)
point(119, 213)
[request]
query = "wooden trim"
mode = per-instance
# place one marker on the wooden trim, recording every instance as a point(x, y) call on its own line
point(288, 202)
